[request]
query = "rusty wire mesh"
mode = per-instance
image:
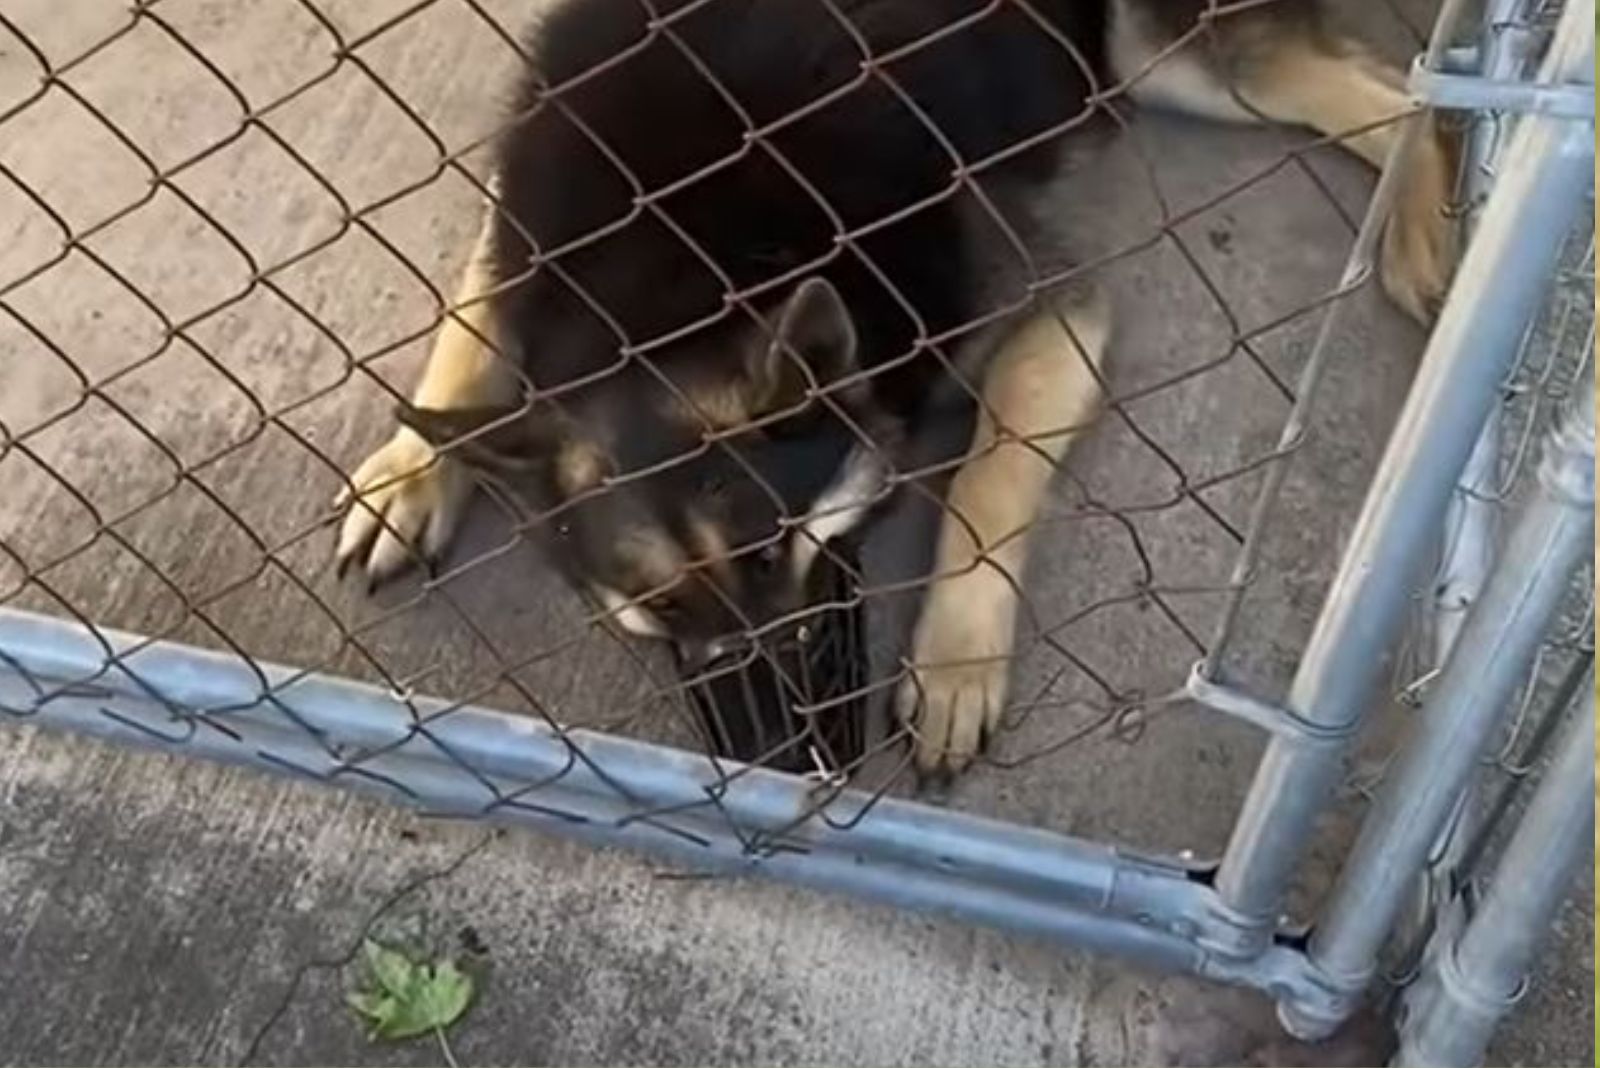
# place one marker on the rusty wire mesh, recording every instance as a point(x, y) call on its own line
point(215, 308)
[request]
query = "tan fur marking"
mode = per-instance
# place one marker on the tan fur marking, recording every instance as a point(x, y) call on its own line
point(462, 371)
point(722, 405)
point(405, 499)
point(1178, 81)
point(580, 466)
point(1331, 93)
point(1334, 93)
point(711, 548)
point(1281, 73)
point(655, 558)
point(1039, 392)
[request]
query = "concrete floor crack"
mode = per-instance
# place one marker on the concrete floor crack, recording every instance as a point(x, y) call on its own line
point(348, 954)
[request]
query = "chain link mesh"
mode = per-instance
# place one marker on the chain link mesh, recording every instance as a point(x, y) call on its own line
point(230, 234)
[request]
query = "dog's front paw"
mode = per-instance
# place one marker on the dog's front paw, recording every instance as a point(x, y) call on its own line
point(406, 503)
point(1420, 242)
point(952, 697)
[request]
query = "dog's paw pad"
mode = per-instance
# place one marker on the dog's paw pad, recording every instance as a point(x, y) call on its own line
point(955, 690)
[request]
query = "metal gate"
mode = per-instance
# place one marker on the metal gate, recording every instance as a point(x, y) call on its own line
point(1493, 615)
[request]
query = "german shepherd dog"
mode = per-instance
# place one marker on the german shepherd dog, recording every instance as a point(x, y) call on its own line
point(721, 278)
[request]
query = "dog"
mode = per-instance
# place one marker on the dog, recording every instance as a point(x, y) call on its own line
point(733, 253)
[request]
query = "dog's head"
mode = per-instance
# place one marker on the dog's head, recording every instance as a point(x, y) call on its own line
point(692, 492)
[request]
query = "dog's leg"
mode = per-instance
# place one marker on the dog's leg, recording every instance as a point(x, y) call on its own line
point(1336, 90)
point(1040, 390)
point(1281, 66)
point(409, 500)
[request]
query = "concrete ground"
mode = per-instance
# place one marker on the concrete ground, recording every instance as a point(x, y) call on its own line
point(159, 910)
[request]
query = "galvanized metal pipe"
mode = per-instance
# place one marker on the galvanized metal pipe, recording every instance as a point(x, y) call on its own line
point(1472, 530)
point(448, 788)
point(1470, 522)
point(475, 761)
point(1500, 284)
point(1554, 533)
point(1472, 978)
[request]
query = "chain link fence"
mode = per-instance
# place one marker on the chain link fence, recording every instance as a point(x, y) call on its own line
point(187, 373)
point(232, 231)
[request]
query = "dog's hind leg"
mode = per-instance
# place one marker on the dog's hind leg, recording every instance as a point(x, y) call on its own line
point(1040, 390)
point(1277, 63)
point(407, 500)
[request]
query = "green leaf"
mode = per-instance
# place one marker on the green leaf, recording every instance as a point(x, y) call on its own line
point(392, 970)
point(367, 1003)
point(412, 998)
point(379, 1009)
point(444, 995)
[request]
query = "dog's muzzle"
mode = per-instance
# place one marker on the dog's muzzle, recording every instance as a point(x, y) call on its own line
point(793, 699)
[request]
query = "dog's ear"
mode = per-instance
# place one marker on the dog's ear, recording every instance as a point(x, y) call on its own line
point(495, 438)
point(812, 343)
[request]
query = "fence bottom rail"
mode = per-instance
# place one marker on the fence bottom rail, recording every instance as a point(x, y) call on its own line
point(473, 762)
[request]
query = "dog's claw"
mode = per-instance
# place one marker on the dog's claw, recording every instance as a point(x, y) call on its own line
point(409, 504)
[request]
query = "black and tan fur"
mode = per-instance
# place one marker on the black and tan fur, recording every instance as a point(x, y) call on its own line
point(593, 338)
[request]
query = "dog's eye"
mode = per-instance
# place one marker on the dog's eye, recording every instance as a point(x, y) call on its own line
point(770, 556)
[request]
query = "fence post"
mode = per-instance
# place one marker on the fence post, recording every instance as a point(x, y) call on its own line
point(1472, 531)
point(1501, 282)
point(1470, 523)
point(1473, 976)
point(1554, 532)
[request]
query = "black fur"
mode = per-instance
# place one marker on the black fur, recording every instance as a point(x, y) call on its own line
point(602, 130)
point(736, 240)
point(677, 170)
